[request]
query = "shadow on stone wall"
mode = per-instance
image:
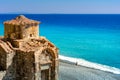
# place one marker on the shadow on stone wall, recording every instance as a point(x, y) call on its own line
point(10, 73)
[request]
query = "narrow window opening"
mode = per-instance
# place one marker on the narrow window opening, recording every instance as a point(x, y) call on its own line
point(31, 35)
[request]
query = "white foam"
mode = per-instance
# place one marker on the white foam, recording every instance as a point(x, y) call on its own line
point(85, 63)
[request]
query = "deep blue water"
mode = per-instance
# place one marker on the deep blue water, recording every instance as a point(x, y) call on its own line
point(93, 37)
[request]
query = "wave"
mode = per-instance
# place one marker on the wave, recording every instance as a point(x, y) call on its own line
point(85, 63)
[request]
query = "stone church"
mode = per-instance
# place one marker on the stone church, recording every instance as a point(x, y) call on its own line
point(24, 55)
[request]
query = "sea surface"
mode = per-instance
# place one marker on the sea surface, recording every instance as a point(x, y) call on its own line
point(94, 38)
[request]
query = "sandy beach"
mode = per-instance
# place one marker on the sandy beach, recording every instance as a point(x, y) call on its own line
point(69, 71)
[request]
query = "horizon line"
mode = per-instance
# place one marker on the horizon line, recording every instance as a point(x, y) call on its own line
point(60, 13)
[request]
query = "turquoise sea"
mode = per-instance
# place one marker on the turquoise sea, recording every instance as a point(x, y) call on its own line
point(92, 37)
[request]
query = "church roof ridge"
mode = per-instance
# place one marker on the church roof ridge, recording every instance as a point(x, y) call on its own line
point(21, 20)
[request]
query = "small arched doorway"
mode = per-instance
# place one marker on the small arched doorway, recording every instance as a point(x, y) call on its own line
point(45, 72)
point(46, 64)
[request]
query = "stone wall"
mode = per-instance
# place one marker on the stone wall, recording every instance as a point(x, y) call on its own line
point(31, 63)
point(6, 62)
point(25, 67)
point(17, 32)
point(6, 56)
point(30, 31)
point(12, 31)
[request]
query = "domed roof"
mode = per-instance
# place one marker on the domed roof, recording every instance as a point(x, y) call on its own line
point(21, 20)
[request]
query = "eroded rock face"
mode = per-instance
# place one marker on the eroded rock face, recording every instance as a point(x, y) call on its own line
point(24, 55)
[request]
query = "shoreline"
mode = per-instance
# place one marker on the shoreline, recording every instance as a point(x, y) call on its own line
point(68, 71)
point(87, 64)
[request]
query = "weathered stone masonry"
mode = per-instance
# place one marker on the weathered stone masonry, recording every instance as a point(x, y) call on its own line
point(24, 55)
